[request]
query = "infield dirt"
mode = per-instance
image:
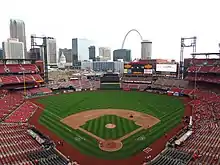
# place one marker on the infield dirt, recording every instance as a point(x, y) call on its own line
point(145, 121)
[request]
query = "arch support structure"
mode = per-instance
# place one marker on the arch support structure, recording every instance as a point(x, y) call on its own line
point(135, 30)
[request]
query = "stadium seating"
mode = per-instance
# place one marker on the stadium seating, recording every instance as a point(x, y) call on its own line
point(78, 84)
point(18, 147)
point(18, 68)
point(204, 78)
point(18, 73)
point(16, 79)
point(49, 156)
point(9, 103)
point(165, 82)
point(22, 113)
point(204, 143)
point(173, 157)
point(41, 90)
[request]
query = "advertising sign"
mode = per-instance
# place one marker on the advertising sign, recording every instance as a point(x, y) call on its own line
point(148, 71)
point(166, 67)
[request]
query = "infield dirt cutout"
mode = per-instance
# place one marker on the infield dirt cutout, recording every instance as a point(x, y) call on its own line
point(145, 121)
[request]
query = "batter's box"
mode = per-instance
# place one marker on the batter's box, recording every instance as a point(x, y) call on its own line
point(147, 150)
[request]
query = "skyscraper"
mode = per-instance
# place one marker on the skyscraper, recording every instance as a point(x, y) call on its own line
point(13, 49)
point(105, 53)
point(80, 50)
point(51, 51)
point(92, 53)
point(17, 30)
point(124, 54)
point(146, 50)
point(34, 53)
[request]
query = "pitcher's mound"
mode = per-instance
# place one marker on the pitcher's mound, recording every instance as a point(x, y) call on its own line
point(110, 126)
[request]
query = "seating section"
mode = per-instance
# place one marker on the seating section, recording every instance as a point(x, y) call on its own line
point(172, 156)
point(78, 84)
point(16, 79)
point(31, 68)
point(204, 143)
point(9, 103)
point(18, 147)
point(204, 70)
point(163, 82)
point(49, 156)
point(204, 78)
point(22, 113)
point(18, 68)
point(18, 73)
point(37, 78)
point(15, 144)
point(41, 90)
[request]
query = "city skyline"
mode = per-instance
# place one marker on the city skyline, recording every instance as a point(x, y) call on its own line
point(161, 22)
point(17, 30)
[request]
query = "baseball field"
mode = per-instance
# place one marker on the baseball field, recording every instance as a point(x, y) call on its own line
point(110, 124)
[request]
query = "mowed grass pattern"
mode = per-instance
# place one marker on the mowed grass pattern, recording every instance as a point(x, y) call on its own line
point(168, 109)
point(98, 126)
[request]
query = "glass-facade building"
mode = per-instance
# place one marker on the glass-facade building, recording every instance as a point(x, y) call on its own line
point(124, 54)
point(80, 50)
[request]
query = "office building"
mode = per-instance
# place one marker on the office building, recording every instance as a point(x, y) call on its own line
point(17, 30)
point(35, 53)
point(68, 55)
point(87, 65)
point(123, 54)
point(1, 53)
point(51, 51)
point(105, 53)
point(92, 53)
point(13, 49)
point(146, 50)
point(103, 66)
point(80, 50)
point(119, 66)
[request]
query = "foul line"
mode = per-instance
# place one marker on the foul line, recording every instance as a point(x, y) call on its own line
point(44, 109)
point(91, 134)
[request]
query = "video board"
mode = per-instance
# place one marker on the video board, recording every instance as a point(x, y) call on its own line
point(166, 67)
point(138, 68)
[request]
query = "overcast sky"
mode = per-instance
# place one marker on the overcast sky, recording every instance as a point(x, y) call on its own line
point(106, 22)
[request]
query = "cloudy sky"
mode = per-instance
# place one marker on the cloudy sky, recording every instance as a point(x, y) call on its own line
point(106, 22)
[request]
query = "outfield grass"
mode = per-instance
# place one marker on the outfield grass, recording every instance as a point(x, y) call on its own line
point(168, 109)
point(97, 126)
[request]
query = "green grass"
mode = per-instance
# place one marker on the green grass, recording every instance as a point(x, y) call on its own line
point(97, 126)
point(168, 109)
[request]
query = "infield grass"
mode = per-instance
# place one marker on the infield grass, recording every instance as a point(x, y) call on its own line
point(168, 109)
point(98, 126)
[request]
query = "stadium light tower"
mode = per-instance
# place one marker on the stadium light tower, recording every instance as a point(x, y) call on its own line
point(182, 46)
point(44, 45)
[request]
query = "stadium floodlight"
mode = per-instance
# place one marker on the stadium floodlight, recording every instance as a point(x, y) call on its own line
point(182, 46)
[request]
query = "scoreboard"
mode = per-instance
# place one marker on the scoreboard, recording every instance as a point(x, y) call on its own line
point(138, 68)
